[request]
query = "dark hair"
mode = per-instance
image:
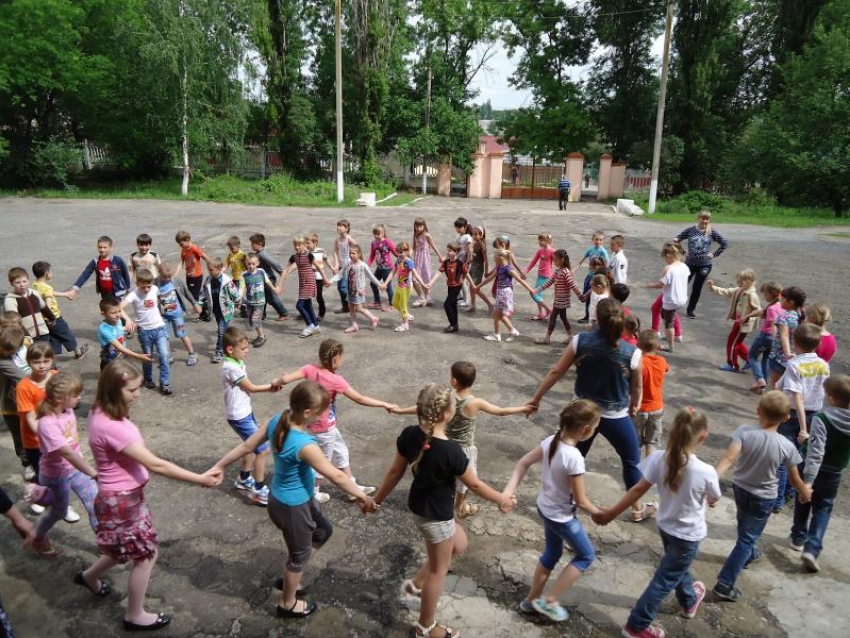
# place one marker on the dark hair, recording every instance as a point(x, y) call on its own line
point(329, 350)
point(232, 337)
point(104, 239)
point(461, 222)
point(40, 269)
point(233, 241)
point(620, 292)
point(112, 380)
point(563, 255)
point(464, 373)
point(39, 350)
point(109, 302)
point(144, 240)
point(838, 388)
point(257, 238)
point(453, 246)
point(609, 314)
point(11, 338)
point(631, 324)
point(576, 415)
point(307, 395)
point(182, 236)
point(795, 295)
point(618, 239)
point(342, 222)
point(807, 337)
point(689, 424)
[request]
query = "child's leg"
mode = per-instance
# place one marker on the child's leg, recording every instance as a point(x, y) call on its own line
point(565, 320)
point(450, 305)
point(247, 462)
point(758, 357)
point(92, 575)
point(739, 348)
point(342, 288)
point(800, 527)
point(259, 467)
point(552, 552)
point(61, 488)
point(497, 322)
point(652, 431)
point(677, 325)
point(188, 343)
point(85, 487)
point(13, 422)
point(137, 589)
point(311, 314)
point(553, 320)
point(752, 515)
point(320, 299)
point(161, 339)
point(301, 307)
point(825, 489)
point(363, 311)
point(508, 324)
point(730, 345)
point(655, 311)
point(584, 290)
point(221, 328)
point(384, 273)
point(352, 317)
point(146, 341)
point(376, 292)
point(433, 573)
point(584, 556)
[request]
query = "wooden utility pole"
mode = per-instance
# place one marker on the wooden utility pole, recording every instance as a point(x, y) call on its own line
point(427, 127)
point(339, 158)
point(659, 118)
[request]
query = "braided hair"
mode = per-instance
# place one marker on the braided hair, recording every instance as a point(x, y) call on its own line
point(329, 350)
point(431, 406)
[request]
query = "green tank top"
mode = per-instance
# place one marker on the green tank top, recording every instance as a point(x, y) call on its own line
point(461, 428)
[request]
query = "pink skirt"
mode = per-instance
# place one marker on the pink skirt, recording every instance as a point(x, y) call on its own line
point(125, 531)
point(504, 301)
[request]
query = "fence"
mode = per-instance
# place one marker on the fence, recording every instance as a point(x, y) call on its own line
point(637, 179)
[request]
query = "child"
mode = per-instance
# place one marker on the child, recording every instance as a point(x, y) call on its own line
point(503, 307)
point(255, 283)
point(173, 296)
point(342, 257)
point(423, 244)
point(563, 281)
point(655, 311)
point(125, 531)
point(325, 428)
point(319, 259)
point(685, 484)
point(292, 507)
point(61, 335)
point(464, 241)
point(272, 268)
point(110, 334)
point(456, 272)
point(596, 266)
point(63, 468)
point(302, 260)
point(503, 242)
point(355, 273)
point(145, 257)
point(618, 265)
point(153, 333)
point(407, 274)
point(599, 290)
point(674, 282)
point(802, 383)
point(596, 249)
point(235, 259)
point(436, 462)
point(190, 259)
point(827, 457)
point(29, 304)
point(479, 265)
point(760, 451)
point(29, 393)
point(384, 250)
point(760, 347)
point(562, 491)
point(744, 302)
point(791, 300)
point(621, 292)
point(818, 314)
point(631, 329)
point(220, 293)
point(649, 420)
point(240, 416)
point(113, 278)
point(545, 255)
point(13, 369)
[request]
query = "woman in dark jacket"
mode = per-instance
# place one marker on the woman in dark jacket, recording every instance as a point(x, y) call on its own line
point(700, 258)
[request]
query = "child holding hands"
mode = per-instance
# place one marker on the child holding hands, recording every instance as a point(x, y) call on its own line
point(743, 305)
point(504, 275)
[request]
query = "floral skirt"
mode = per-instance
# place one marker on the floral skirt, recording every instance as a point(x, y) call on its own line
point(504, 301)
point(125, 531)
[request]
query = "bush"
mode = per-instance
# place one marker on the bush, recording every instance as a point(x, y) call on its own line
point(51, 161)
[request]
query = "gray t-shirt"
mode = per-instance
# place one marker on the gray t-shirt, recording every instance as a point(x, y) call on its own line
point(762, 452)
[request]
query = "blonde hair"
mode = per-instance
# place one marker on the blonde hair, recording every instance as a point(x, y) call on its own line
point(670, 250)
point(545, 237)
point(688, 425)
point(215, 262)
point(502, 254)
point(307, 395)
point(61, 386)
point(748, 274)
point(144, 276)
point(402, 247)
point(166, 270)
point(113, 378)
point(775, 406)
point(818, 314)
point(431, 406)
point(600, 280)
point(299, 241)
point(705, 214)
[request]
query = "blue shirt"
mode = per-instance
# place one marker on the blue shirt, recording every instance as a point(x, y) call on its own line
point(106, 334)
point(564, 185)
point(593, 251)
point(294, 481)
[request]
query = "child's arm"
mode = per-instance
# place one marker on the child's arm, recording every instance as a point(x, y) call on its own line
point(292, 377)
point(521, 281)
point(636, 389)
point(555, 373)
point(516, 265)
point(434, 278)
point(32, 421)
point(22, 525)
point(580, 495)
point(433, 247)
point(138, 452)
point(369, 402)
point(247, 446)
point(82, 279)
point(76, 459)
point(391, 479)
point(125, 273)
point(531, 458)
point(372, 277)
point(398, 410)
point(383, 285)
point(482, 490)
point(487, 279)
point(372, 250)
point(480, 405)
point(203, 256)
point(533, 261)
point(723, 292)
point(785, 340)
point(65, 295)
point(313, 455)
point(129, 324)
point(336, 262)
point(129, 353)
point(416, 276)
point(729, 458)
point(605, 516)
point(800, 407)
point(183, 290)
point(804, 489)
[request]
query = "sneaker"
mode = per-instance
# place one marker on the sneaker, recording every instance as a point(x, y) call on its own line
point(259, 342)
point(543, 341)
point(166, 390)
point(450, 329)
point(259, 496)
point(244, 484)
point(150, 385)
point(29, 473)
point(368, 491)
point(754, 558)
point(192, 359)
point(217, 357)
point(81, 353)
point(525, 606)
point(308, 331)
point(400, 328)
point(678, 339)
point(700, 591)
point(514, 334)
point(553, 611)
point(493, 337)
point(690, 315)
point(653, 631)
point(418, 303)
point(463, 304)
point(797, 544)
point(321, 497)
point(71, 516)
point(584, 320)
point(810, 562)
point(724, 592)
point(36, 509)
point(171, 359)
point(317, 329)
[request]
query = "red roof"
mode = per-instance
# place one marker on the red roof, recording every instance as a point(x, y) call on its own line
point(491, 145)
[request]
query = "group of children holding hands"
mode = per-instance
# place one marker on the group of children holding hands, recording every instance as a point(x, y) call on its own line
point(802, 411)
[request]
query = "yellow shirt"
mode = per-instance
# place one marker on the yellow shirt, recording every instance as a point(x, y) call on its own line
point(46, 291)
point(236, 263)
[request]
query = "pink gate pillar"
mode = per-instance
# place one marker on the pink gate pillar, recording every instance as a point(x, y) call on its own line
point(604, 180)
point(444, 180)
point(477, 184)
point(575, 171)
point(618, 180)
point(494, 188)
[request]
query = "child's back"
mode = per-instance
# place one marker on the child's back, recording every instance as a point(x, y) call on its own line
point(654, 369)
point(763, 451)
point(555, 500)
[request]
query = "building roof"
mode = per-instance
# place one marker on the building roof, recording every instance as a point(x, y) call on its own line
point(491, 145)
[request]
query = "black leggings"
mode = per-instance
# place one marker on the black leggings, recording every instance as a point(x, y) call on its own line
point(320, 297)
point(553, 319)
point(699, 274)
point(450, 305)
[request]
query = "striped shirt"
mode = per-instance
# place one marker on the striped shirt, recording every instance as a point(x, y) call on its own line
point(563, 280)
point(564, 185)
point(306, 278)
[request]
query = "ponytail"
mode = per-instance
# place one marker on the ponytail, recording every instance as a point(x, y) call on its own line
point(688, 425)
point(575, 416)
point(307, 395)
point(329, 350)
point(281, 430)
point(609, 314)
point(431, 406)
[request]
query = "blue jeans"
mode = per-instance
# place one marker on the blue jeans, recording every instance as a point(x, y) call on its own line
point(305, 309)
point(381, 273)
point(752, 515)
point(790, 429)
point(760, 348)
point(811, 519)
point(573, 533)
point(150, 339)
point(622, 436)
point(674, 572)
point(177, 323)
point(62, 337)
point(221, 326)
point(342, 288)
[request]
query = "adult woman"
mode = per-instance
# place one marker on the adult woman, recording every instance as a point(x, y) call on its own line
point(699, 258)
point(608, 371)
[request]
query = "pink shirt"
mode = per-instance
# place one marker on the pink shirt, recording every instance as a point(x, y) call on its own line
point(826, 349)
point(116, 472)
point(771, 313)
point(334, 384)
point(56, 431)
point(545, 257)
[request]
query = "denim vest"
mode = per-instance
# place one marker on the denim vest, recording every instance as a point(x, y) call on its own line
point(603, 374)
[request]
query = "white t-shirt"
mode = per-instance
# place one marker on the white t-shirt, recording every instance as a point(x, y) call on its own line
point(237, 402)
point(805, 374)
point(675, 282)
point(146, 308)
point(318, 261)
point(682, 513)
point(614, 414)
point(619, 268)
point(594, 302)
point(555, 501)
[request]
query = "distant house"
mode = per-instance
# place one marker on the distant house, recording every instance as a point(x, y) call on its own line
point(491, 144)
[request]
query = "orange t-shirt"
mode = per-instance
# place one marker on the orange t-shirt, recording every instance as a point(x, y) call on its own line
point(191, 258)
point(28, 397)
point(654, 369)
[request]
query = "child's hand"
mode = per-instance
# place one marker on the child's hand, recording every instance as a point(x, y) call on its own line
point(383, 286)
point(276, 385)
point(508, 503)
point(71, 294)
point(369, 506)
point(710, 283)
point(802, 437)
point(529, 409)
point(327, 284)
point(212, 476)
point(602, 517)
point(130, 327)
point(197, 310)
point(805, 495)
point(145, 357)
point(24, 529)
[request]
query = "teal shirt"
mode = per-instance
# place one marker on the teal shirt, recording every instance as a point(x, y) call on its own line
point(294, 481)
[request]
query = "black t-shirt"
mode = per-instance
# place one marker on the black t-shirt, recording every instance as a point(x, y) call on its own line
point(432, 493)
point(5, 502)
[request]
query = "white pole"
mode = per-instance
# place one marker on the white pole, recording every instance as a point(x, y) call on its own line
point(659, 118)
point(339, 158)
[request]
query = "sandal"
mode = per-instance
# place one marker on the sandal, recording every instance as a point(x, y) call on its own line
point(162, 620)
point(351, 329)
point(419, 630)
point(309, 608)
point(374, 323)
point(103, 591)
point(409, 588)
point(647, 511)
point(468, 510)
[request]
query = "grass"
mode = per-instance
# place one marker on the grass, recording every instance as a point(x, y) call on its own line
point(279, 190)
point(758, 211)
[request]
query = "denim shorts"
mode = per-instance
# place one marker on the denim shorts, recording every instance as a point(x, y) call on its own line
point(177, 323)
point(776, 367)
point(245, 428)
